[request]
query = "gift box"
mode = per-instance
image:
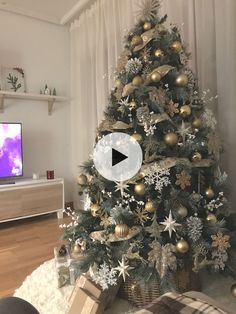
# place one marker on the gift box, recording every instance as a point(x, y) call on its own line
point(66, 265)
point(85, 283)
point(82, 302)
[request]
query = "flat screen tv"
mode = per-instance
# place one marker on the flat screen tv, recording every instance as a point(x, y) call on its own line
point(11, 156)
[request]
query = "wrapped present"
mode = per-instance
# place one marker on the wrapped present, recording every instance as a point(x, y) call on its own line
point(65, 263)
point(82, 302)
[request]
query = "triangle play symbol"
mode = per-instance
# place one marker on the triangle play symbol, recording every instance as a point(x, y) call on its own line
point(117, 157)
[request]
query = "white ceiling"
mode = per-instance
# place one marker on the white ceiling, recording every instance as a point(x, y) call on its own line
point(53, 11)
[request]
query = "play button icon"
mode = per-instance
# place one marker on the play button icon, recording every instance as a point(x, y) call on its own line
point(117, 157)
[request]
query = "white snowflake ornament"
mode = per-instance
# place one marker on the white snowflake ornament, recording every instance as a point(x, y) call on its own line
point(104, 276)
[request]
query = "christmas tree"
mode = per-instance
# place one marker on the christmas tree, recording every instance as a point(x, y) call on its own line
point(175, 209)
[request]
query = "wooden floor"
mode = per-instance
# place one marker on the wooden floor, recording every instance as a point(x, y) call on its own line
point(24, 245)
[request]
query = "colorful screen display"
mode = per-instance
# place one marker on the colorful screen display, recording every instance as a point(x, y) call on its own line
point(11, 159)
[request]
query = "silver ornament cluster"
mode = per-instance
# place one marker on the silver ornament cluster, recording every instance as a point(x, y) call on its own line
point(134, 66)
point(194, 225)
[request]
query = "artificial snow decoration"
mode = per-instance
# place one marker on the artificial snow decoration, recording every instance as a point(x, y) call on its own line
point(209, 119)
point(170, 224)
point(87, 202)
point(195, 226)
point(134, 66)
point(104, 276)
point(215, 203)
point(158, 177)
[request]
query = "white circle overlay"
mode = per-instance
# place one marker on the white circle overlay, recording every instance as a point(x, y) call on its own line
point(124, 144)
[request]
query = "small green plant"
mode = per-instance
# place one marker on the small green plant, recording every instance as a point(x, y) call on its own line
point(13, 80)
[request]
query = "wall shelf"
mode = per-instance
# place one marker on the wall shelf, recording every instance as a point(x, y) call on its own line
point(50, 99)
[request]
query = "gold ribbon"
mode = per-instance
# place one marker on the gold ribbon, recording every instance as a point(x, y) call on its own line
point(163, 70)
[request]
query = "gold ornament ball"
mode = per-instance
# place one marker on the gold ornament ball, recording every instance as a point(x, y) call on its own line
point(137, 80)
point(137, 137)
point(209, 193)
point(181, 80)
point(149, 207)
point(233, 290)
point(82, 179)
point(95, 210)
point(159, 53)
point(197, 123)
point(121, 230)
point(171, 139)
point(147, 26)
point(182, 211)
point(132, 104)
point(118, 83)
point(182, 246)
point(196, 157)
point(196, 197)
point(211, 217)
point(140, 188)
point(156, 77)
point(76, 248)
point(136, 40)
point(176, 46)
point(185, 111)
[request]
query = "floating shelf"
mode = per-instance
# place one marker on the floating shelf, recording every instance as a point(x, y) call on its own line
point(50, 99)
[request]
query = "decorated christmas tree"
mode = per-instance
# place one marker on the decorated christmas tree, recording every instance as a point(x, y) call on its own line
point(174, 210)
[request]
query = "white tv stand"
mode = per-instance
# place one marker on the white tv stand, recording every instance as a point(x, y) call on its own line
point(28, 198)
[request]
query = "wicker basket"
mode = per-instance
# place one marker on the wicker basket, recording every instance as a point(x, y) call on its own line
point(141, 294)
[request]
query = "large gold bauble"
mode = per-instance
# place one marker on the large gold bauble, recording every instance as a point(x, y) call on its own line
point(136, 40)
point(147, 26)
point(211, 217)
point(82, 179)
point(185, 111)
point(182, 246)
point(176, 46)
point(171, 139)
point(197, 123)
point(121, 230)
point(149, 207)
point(137, 80)
point(182, 211)
point(137, 137)
point(233, 290)
point(118, 83)
point(132, 104)
point(156, 77)
point(196, 157)
point(95, 210)
point(159, 53)
point(140, 188)
point(181, 80)
point(209, 193)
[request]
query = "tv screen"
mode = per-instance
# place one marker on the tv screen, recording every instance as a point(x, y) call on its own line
point(11, 157)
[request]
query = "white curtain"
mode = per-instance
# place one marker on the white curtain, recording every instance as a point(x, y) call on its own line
point(208, 27)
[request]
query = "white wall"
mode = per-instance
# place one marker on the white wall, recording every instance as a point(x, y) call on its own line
point(42, 49)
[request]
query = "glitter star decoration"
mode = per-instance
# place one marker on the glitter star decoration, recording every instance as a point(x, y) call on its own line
point(123, 268)
point(183, 179)
point(172, 108)
point(170, 224)
point(122, 187)
point(221, 242)
point(105, 221)
point(184, 131)
point(141, 216)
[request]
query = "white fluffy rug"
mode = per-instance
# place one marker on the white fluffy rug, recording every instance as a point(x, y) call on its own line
point(40, 289)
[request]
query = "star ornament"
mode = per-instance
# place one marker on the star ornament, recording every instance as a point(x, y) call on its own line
point(121, 186)
point(170, 224)
point(123, 268)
